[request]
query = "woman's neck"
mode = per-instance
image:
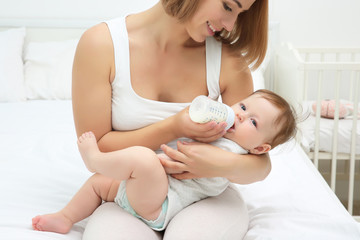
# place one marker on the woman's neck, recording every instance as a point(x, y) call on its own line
point(166, 31)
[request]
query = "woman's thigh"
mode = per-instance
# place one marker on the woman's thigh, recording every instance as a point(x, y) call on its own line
point(111, 222)
point(223, 217)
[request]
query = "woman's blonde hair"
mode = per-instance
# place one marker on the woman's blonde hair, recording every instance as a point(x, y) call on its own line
point(249, 36)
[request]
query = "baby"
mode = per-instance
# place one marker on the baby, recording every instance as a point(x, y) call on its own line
point(135, 179)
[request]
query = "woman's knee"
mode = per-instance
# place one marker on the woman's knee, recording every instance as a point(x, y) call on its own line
point(110, 222)
point(222, 217)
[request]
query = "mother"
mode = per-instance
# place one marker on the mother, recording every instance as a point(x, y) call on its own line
point(132, 78)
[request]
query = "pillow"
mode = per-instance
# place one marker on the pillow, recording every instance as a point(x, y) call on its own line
point(327, 109)
point(48, 69)
point(11, 65)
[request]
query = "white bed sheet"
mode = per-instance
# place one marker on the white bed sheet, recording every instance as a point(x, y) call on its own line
point(40, 166)
point(294, 202)
point(41, 170)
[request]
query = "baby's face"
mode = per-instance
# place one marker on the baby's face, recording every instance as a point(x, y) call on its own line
point(254, 122)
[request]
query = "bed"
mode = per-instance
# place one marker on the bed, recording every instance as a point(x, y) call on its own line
point(41, 168)
point(328, 88)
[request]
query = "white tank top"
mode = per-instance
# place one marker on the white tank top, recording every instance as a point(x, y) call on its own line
point(131, 111)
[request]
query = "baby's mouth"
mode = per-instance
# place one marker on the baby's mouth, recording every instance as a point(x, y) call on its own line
point(232, 128)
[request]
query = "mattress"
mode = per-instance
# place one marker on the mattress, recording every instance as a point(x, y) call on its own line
point(345, 125)
point(41, 170)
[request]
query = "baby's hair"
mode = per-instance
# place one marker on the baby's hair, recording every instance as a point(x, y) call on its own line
point(286, 120)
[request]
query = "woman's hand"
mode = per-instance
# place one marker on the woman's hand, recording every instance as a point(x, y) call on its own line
point(202, 132)
point(195, 160)
point(164, 158)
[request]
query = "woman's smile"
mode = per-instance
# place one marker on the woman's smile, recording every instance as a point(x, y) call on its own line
point(211, 29)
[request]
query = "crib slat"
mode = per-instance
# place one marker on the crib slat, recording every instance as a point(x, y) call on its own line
point(305, 87)
point(306, 79)
point(317, 120)
point(353, 146)
point(353, 56)
point(335, 132)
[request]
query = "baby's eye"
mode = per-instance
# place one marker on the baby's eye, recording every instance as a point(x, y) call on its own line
point(243, 107)
point(226, 7)
point(254, 122)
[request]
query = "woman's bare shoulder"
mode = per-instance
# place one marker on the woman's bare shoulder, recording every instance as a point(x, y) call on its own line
point(95, 52)
point(235, 77)
point(234, 61)
point(96, 38)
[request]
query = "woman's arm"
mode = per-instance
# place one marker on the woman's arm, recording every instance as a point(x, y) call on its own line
point(198, 160)
point(93, 73)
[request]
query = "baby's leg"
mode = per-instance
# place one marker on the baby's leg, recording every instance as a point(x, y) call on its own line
point(147, 188)
point(117, 164)
point(89, 149)
point(146, 185)
point(83, 204)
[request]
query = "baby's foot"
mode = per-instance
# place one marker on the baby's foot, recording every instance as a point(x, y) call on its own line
point(88, 148)
point(56, 222)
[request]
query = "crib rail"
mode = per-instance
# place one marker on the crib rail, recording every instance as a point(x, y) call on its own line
point(331, 73)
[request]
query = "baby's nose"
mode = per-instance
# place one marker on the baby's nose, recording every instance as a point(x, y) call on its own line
point(241, 116)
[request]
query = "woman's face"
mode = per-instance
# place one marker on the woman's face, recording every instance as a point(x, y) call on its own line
point(213, 16)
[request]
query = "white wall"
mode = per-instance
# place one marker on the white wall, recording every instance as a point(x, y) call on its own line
point(75, 9)
point(303, 22)
point(308, 23)
point(51, 12)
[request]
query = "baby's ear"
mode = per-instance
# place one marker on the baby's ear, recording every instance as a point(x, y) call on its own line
point(263, 148)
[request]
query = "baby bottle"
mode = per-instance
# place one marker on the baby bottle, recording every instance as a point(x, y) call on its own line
point(204, 109)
